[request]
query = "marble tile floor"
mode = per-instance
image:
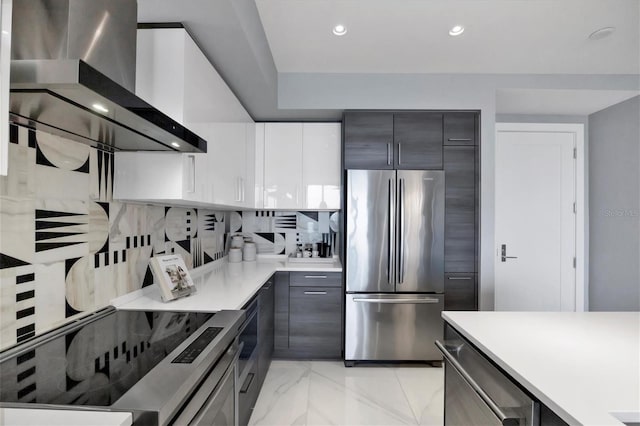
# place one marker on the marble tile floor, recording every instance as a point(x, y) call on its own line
point(327, 393)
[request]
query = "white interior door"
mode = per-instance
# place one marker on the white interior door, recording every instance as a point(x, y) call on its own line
point(535, 220)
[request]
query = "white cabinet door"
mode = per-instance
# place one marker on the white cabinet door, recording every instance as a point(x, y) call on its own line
point(171, 178)
point(226, 162)
point(321, 166)
point(283, 166)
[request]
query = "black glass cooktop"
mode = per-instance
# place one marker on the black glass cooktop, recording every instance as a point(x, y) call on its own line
point(98, 363)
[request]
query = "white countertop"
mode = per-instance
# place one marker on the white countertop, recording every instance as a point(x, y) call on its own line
point(582, 365)
point(23, 417)
point(221, 285)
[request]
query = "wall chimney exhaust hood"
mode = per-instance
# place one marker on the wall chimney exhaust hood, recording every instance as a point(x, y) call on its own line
point(73, 74)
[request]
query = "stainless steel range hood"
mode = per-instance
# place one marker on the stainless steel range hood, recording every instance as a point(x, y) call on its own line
point(73, 74)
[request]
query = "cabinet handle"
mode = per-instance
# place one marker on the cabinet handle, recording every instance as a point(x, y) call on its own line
point(316, 276)
point(458, 278)
point(242, 189)
point(315, 293)
point(399, 153)
point(238, 190)
point(191, 166)
point(459, 139)
point(388, 154)
point(247, 383)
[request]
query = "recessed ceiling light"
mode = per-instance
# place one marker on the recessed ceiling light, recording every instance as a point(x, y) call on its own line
point(99, 107)
point(456, 30)
point(601, 33)
point(176, 144)
point(339, 30)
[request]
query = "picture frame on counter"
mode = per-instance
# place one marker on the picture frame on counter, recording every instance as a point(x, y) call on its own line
point(172, 277)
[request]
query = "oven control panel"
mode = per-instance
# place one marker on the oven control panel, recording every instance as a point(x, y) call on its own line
point(197, 346)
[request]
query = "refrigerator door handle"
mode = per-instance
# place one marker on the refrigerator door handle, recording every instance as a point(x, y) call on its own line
point(397, 301)
point(391, 233)
point(401, 231)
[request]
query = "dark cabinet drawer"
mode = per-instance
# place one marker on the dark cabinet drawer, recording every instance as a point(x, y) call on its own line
point(315, 329)
point(460, 128)
point(324, 279)
point(460, 223)
point(460, 292)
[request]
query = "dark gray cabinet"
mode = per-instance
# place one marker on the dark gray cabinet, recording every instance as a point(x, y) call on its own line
point(266, 327)
point(393, 140)
point(417, 140)
point(460, 128)
point(315, 321)
point(460, 231)
point(461, 292)
point(309, 305)
point(368, 140)
point(281, 309)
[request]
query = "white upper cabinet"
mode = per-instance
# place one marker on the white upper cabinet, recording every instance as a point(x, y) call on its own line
point(174, 76)
point(283, 166)
point(229, 162)
point(301, 167)
point(161, 177)
point(321, 165)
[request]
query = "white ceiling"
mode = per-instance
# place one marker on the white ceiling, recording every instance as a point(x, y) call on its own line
point(411, 36)
point(257, 45)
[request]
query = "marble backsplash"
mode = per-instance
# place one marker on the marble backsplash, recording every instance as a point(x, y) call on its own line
point(66, 247)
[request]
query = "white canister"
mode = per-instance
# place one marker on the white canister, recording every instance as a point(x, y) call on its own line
point(235, 255)
point(237, 241)
point(249, 252)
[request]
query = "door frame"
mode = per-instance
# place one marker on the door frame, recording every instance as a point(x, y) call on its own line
point(582, 260)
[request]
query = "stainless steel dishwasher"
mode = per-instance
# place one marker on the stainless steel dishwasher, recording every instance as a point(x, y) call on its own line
point(476, 392)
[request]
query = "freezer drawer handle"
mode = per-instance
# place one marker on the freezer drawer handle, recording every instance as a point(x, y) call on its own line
point(359, 299)
point(458, 278)
point(315, 293)
point(316, 276)
point(504, 419)
point(459, 139)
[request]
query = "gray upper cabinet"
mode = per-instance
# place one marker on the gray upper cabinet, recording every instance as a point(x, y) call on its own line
point(460, 128)
point(418, 140)
point(368, 140)
point(393, 140)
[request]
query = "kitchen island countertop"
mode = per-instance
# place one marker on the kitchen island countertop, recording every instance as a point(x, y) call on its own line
point(221, 285)
point(582, 365)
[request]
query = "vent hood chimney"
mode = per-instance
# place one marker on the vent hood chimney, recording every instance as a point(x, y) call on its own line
point(73, 74)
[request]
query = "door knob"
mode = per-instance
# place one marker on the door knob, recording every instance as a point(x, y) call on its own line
point(503, 254)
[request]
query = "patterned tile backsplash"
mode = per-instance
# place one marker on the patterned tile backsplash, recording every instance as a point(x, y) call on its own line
point(66, 247)
point(278, 232)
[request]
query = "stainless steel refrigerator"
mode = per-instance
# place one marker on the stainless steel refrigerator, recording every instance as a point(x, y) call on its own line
point(394, 265)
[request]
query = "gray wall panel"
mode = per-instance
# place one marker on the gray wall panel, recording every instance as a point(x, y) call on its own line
point(614, 207)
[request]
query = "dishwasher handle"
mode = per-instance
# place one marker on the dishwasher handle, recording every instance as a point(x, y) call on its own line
point(505, 419)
